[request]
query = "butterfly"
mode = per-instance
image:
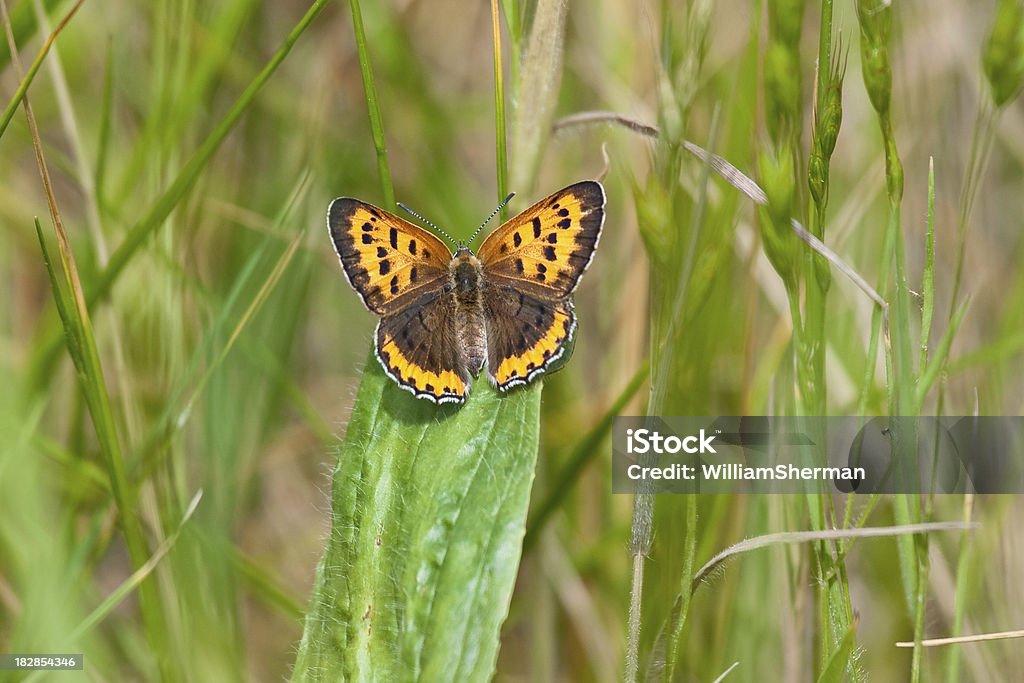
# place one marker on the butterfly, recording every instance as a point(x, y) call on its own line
point(444, 315)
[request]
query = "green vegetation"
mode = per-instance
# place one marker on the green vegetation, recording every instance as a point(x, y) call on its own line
point(184, 364)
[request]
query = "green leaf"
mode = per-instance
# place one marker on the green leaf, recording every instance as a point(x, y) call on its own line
point(429, 508)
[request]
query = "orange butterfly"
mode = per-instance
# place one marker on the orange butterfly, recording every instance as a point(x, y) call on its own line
point(443, 315)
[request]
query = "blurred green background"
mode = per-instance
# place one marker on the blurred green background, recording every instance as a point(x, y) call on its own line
point(231, 345)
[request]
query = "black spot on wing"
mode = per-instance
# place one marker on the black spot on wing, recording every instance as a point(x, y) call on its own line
point(536, 227)
point(367, 238)
point(394, 238)
point(516, 239)
point(563, 212)
point(367, 227)
point(381, 252)
point(412, 247)
point(565, 223)
point(385, 267)
point(549, 253)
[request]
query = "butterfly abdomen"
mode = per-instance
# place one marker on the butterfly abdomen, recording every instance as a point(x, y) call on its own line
point(466, 278)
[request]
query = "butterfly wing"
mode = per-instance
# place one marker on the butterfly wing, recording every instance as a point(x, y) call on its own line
point(388, 261)
point(545, 249)
point(417, 347)
point(525, 334)
point(400, 271)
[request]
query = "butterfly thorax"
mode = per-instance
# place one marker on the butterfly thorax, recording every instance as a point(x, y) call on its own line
point(466, 278)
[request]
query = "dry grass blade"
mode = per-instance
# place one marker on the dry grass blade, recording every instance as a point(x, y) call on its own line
point(789, 537)
point(590, 118)
point(753, 191)
point(958, 640)
point(721, 676)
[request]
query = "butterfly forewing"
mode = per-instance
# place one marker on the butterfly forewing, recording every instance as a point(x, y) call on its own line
point(545, 249)
point(389, 261)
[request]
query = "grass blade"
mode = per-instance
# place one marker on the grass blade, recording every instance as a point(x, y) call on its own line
point(23, 26)
point(19, 94)
point(373, 107)
point(501, 152)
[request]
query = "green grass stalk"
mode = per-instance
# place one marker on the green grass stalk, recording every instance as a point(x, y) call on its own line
point(875, 20)
point(500, 139)
point(373, 107)
point(928, 283)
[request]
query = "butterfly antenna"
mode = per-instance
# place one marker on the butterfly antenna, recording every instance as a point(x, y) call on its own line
point(430, 223)
point(493, 214)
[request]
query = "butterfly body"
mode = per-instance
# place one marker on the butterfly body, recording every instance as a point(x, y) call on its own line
point(444, 316)
point(468, 281)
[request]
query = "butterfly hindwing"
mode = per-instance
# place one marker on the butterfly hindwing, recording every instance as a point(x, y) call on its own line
point(418, 349)
point(389, 261)
point(525, 335)
point(545, 249)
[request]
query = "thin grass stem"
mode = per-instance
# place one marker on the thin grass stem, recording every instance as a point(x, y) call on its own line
point(500, 137)
point(373, 107)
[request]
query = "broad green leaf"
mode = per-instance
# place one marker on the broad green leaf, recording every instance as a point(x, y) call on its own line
point(429, 508)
